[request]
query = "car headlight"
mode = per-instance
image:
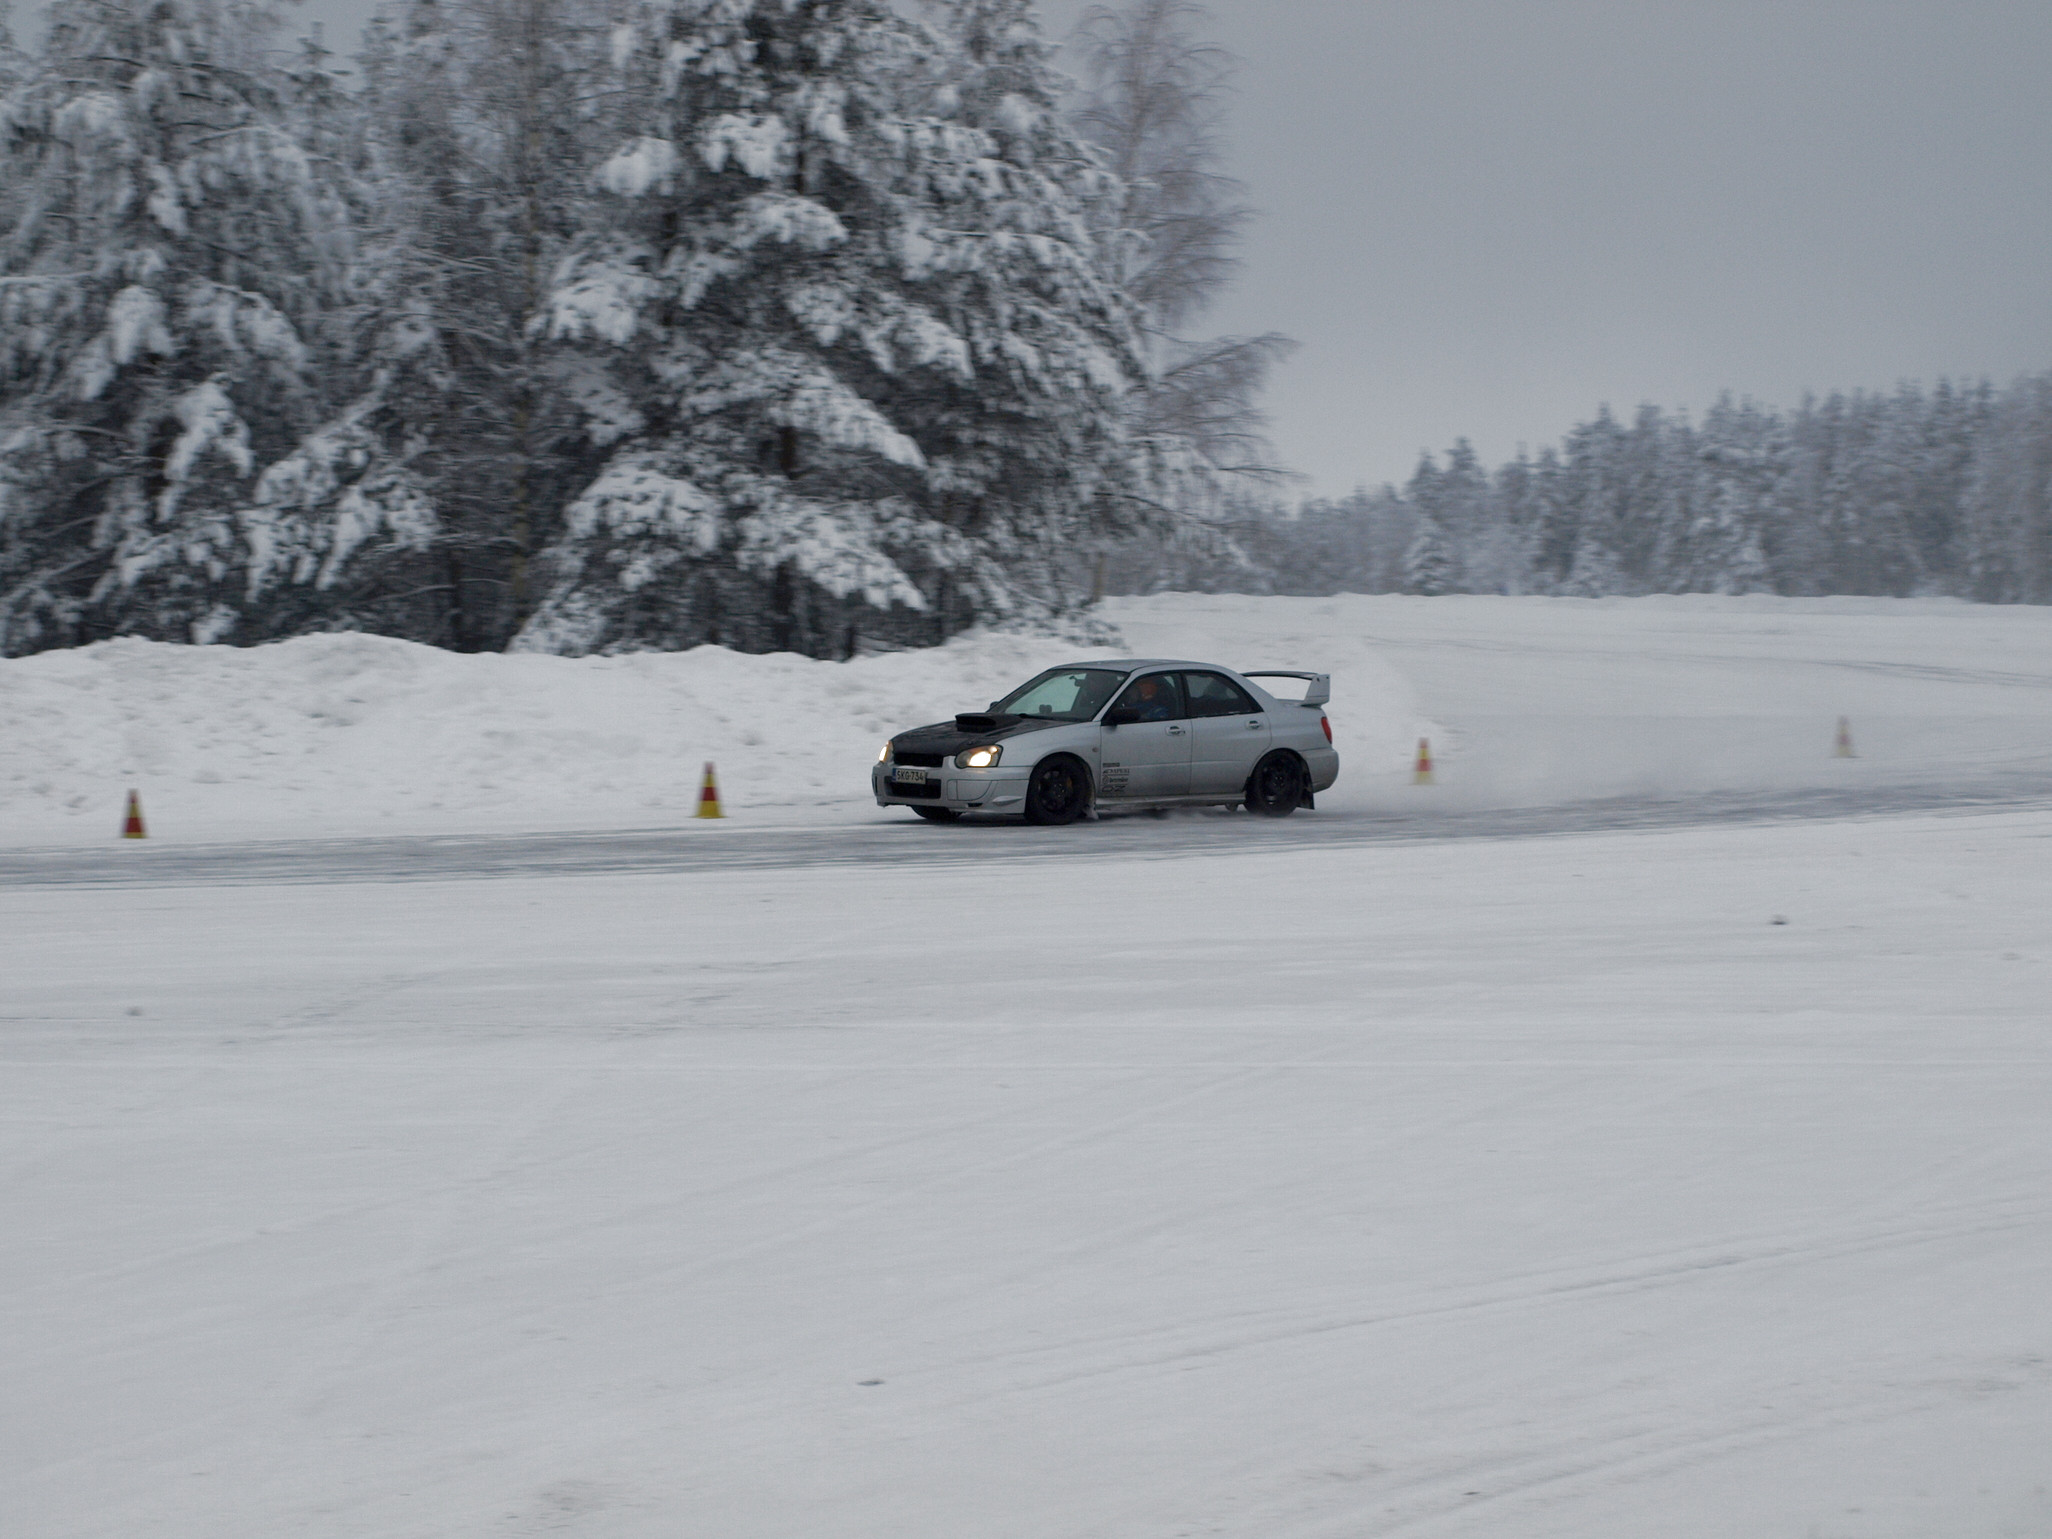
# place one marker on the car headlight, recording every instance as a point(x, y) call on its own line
point(979, 758)
point(883, 754)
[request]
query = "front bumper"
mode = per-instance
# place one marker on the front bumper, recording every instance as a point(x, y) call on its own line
point(958, 790)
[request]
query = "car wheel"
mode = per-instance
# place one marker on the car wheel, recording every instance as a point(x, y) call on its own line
point(1276, 786)
point(1058, 792)
point(938, 814)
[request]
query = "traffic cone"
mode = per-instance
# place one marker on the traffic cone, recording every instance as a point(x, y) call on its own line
point(1423, 774)
point(709, 795)
point(132, 826)
point(1844, 749)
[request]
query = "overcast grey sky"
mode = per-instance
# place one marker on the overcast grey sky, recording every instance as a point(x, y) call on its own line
point(1484, 217)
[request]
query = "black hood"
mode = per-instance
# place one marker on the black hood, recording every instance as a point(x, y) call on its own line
point(970, 729)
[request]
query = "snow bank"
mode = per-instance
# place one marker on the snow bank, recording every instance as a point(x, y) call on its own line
point(342, 735)
point(353, 734)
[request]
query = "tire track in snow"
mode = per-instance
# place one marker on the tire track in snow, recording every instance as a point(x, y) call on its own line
point(1178, 1345)
point(1464, 1497)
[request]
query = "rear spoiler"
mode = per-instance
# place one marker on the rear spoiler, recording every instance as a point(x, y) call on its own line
point(1317, 694)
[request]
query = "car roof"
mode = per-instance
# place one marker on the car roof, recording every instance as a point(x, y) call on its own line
point(1130, 664)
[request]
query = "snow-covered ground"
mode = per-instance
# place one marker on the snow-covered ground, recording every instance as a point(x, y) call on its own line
point(1528, 701)
point(1690, 1182)
point(1539, 1187)
point(1545, 700)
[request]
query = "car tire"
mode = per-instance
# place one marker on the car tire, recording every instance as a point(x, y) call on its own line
point(1276, 788)
point(1059, 791)
point(938, 814)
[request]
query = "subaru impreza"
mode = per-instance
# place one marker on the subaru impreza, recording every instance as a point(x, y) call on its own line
point(1132, 735)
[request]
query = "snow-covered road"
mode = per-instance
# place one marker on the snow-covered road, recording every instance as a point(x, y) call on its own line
point(890, 838)
point(1444, 1186)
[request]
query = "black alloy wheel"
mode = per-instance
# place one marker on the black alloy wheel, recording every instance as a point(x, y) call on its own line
point(1277, 785)
point(1058, 792)
point(938, 814)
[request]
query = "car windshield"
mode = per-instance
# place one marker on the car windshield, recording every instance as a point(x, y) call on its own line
point(1063, 694)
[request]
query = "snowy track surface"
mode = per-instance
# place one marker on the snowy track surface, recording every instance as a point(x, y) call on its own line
point(1543, 1187)
point(897, 842)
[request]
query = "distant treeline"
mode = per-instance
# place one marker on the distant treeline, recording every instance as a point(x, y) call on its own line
point(1944, 491)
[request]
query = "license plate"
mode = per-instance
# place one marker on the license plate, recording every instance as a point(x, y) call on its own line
point(906, 775)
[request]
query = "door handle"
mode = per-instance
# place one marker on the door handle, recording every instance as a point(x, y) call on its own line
point(1253, 726)
point(1175, 731)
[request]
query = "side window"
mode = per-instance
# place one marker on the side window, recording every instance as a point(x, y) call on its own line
point(1213, 694)
point(1155, 696)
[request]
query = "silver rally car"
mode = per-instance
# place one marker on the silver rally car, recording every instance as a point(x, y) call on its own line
point(1136, 734)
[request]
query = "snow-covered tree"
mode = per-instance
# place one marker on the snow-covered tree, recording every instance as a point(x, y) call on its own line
point(1430, 565)
point(171, 261)
point(2007, 529)
point(861, 370)
point(477, 152)
point(12, 65)
point(1155, 102)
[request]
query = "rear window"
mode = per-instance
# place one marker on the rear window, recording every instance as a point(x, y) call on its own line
point(1213, 694)
point(1063, 694)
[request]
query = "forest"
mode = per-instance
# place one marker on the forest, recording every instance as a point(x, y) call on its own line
point(810, 325)
point(1938, 492)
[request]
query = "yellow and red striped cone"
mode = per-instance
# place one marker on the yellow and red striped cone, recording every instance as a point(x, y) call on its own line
point(132, 825)
point(709, 795)
point(1422, 775)
point(1844, 750)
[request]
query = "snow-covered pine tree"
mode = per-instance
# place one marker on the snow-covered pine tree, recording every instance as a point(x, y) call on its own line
point(2008, 522)
point(1647, 462)
point(1593, 485)
point(1716, 543)
point(462, 425)
point(1953, 419)
point(1881, 468)
point(169, 260)
point(1507, 551)
point(1428, 564)
point(1717, 548)
point(862, 370)
point(1464, 506)
point(1555, 528)
point(1431, 564)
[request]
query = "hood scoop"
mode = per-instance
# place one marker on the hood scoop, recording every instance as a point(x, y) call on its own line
point(981, 721)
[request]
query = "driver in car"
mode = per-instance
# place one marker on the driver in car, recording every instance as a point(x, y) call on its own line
point(1150, 698)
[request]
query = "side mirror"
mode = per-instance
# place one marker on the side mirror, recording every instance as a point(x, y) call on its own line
point(1122, 716)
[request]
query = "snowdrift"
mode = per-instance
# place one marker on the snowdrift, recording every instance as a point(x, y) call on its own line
point(343, 735)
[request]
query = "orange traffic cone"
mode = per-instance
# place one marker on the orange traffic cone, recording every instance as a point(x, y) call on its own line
point(1422, 776)
point(1844, 749)
point(709, 795)
point(132, 826)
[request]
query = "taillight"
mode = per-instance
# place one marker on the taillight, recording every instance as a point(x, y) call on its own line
point(1326, 725)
